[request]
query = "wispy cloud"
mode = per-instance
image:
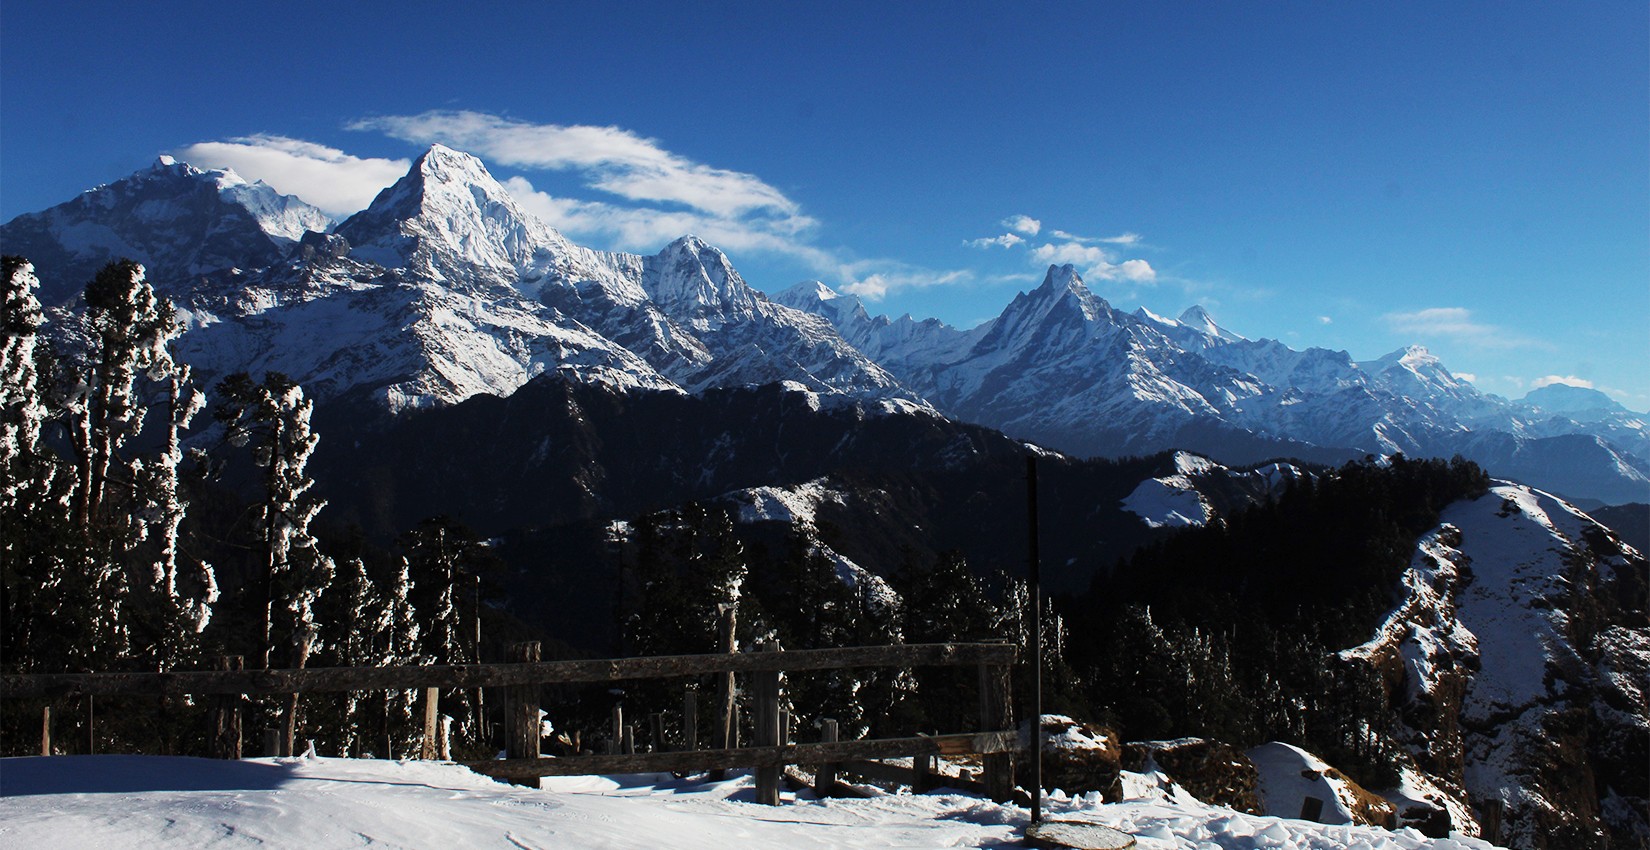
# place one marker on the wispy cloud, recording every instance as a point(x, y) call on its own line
point(1456, 323)
point(643, 194)
point(612, 159)
point(1325, 320)
point(1120, 239)
point(1007, 240)
point(656, 195)
point(1023, 224)
point(877, 285)
point(326, 177)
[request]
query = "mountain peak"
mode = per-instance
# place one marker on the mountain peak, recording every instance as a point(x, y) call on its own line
point(448, 207)
point(1063, 278)
point(1568, 398)
point(690, 274)
point(447, 164)
point(1197, 318)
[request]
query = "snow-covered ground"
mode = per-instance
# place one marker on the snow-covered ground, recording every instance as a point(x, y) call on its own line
point(107, 802)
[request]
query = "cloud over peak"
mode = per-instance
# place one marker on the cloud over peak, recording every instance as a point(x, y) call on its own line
point(335, 181)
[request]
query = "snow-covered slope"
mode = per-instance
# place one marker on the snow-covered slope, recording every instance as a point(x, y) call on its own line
point(1519, 658)
point(101, 802)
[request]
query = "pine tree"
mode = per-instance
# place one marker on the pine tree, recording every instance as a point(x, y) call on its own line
point(450, 564)
point(273, 418)
point(41, 608)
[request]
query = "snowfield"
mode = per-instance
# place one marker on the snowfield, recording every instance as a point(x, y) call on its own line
point(106, 802)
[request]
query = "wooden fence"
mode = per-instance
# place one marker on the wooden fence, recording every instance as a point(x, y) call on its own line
point(769, 753)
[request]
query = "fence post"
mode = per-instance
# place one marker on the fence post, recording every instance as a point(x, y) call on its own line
point(767, 729)
point(617, 746)
point(922, 767)
point(825, 779)
point(225, 742)
point(46, 729)
point(656, 729)
point(432, 703)
point(521, 728)
point(996, 714)
point(725, 724)
point(91, 726)
point(690, 720)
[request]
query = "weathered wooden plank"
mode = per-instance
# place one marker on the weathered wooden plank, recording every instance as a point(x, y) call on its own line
point(321, 679)
point(681, 762)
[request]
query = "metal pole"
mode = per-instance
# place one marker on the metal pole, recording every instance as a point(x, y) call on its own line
point(1034, 593)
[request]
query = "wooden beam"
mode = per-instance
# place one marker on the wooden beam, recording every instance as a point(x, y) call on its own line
point(703, 760)
point(321, 679)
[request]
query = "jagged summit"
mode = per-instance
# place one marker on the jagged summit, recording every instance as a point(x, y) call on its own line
point(693, 278)
point(449, 208)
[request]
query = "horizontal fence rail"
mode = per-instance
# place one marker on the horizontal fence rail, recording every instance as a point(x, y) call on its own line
point(699, 760)
point(335, 679)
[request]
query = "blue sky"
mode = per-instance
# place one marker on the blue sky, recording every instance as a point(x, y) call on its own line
point(1474, 177)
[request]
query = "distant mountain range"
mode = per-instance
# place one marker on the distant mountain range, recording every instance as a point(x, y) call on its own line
point(444, 288)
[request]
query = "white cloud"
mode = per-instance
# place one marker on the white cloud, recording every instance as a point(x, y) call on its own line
point(1097, 262)
point(326, 177)
point(646, 228)
point(1007, 240)
point(1325, 320)
point(1023, 224)
point(1068, 252)
point(1457, 323)
point(1120, 239)
point(876, 285)
point(1466, 376)
point(1569, 380)
point(612, 159)
point(1138, 271)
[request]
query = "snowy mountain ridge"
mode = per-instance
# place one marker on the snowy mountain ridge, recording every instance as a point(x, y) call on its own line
point(445, 287)
point(1502, 638)
point(1062, 367)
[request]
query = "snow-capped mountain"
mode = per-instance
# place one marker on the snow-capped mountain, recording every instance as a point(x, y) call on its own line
point(178, 220)
point(445, 287)
point(441, 289)
point(1062, 367)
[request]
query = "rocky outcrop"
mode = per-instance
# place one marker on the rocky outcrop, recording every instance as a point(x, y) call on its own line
point(1514, 668)
point(1080, 757)
point(1216, 773)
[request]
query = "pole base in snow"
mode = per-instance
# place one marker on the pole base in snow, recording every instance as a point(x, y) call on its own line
point(1077, 834)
